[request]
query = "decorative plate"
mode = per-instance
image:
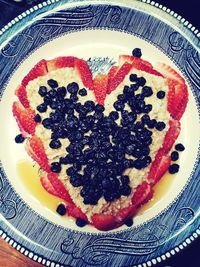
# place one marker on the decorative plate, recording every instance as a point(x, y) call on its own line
point(99, 31)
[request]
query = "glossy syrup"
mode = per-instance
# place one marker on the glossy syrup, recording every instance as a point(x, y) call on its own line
point(29, 176)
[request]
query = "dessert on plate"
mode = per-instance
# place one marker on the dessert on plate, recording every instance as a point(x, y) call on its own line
point(102, 142)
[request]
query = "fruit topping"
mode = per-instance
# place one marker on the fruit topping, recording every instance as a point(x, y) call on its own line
point(137, 52)
point(19, 139)
point(80, 222)
point(179, 147)
point(61, 209)
point(160, 94)
point(174, 156)
point(174, 168)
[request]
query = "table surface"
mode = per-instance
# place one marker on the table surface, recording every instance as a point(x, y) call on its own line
point(9, 257)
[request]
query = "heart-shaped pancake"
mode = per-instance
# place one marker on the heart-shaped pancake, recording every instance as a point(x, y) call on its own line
point(102, 142)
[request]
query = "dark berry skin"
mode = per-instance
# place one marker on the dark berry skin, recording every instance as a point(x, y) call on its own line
point(55, 144)
point(137, 52)
point(128, 222)
point(160, 94)
point(174, 156)
point(179, 147)
point(55, 167)
point(61, 209)
point(82, 92)
point(80, 222)
point(174, 168)
point(42, 108)
point(133, 77)
point(141, 81)
point(72, 88)
point(42, 91)
point(160, 126)
point(37, 118)
point(52, 83)
point(19, 139)
point(147, 91)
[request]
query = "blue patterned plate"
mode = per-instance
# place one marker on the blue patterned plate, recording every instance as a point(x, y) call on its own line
point(99, 31)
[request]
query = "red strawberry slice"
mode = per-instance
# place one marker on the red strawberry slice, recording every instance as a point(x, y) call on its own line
point(35, 149)
point(84, 72)
point(169, 73)
point(177, 99)
point(126, 213)
point(38, 70)
point(111, 74)
point(24, 118)
point(22, 96)
point(139, 64)
point(171, 135)
point(59, 187)
point(47, 185)
point(104, 222)
point(159, 166)
point(76, 212)
point(61, 62)
point(100, 87)
point(143, 193)
point(119, 77)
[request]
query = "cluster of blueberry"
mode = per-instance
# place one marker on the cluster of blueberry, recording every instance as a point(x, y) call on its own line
point(101, 147)
point(174, 168)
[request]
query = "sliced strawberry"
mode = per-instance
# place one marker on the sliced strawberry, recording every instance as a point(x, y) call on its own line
point(143, 193)
point(169, 73)
point(24, 118)
point(119, 77)
point(171, 135)
point(177, 99)
point(100, 87)
point(35, 149)
point(61, 62)
point(47, 185)
point(111, 74)
point(76, 212)
point(159, 167)
point(22, 96)
point(59, 187)
point(139, 64)
point(84, 72)
point(39, 69)
point(104, 222)
point(126, 213)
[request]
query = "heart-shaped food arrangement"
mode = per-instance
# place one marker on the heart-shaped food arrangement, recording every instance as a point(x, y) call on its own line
point(102, 142)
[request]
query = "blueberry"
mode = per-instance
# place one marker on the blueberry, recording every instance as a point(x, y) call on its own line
point(47, 123)
point(55, 167)
point(174, 156)
point(130, 149)
point(125, 179)
point(151, 123)
point(114, 115)
point(52, 83)
point(141, 81)
point(145, 118)
point(128, 91)
point(142, 163)
point(42, 91)
point(55, 144)
point(47, 99)
point(42, 108)
point(133, 77)
point(72, 88)
point(135, 87)
point(19, 139)
point(90, 106)
point(76, 180)
point(160, 94)
point(147, 108)
point(137, 52)
point(160, 126)
point(179, 147)
point(74, 97)
point(52, 93)
point(80, 222)
point(61, 91)
point(61, 209)
point(118, 105)
point(121, 97)
point(174, 168)
point(147, 91)
point(64, 160)
point(99, 108)
point(128, 222)
point(82, 92)
point(125, 190)
point(37, 118)
point(70, 171)
point(98, 115)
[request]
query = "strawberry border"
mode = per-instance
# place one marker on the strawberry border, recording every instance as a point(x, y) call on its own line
point(39, 258)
